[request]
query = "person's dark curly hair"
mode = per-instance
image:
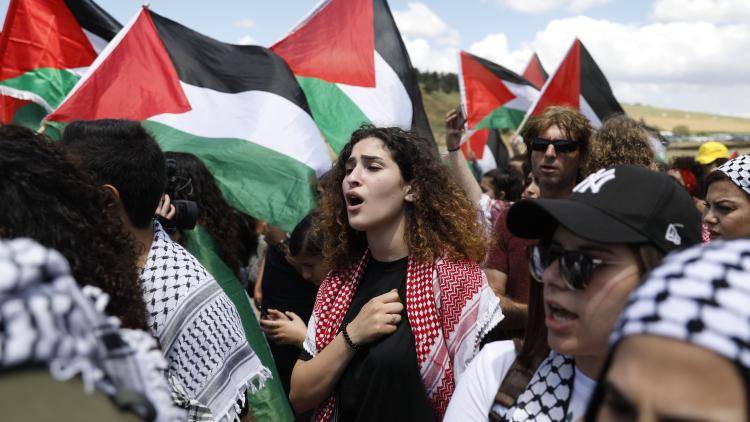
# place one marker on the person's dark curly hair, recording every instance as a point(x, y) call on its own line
point(214, 213)
point(441, 222)
point(46, 198)
point(620, 140)
point(121, 153)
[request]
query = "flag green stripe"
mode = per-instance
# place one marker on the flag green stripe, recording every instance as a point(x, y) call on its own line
point(269, 403)
point(266, 184)
point(336, 115)
point(502, 118)
point(29, 116)
point(50, 84)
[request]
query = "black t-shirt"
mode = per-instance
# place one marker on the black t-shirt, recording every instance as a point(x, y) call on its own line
point(382, 382)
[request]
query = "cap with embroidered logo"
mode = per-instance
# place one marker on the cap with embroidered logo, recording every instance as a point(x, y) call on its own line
point(623, 204)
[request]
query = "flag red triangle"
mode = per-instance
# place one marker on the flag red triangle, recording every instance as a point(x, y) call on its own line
point(474, 146)
point(335, 44)
point(564, 89)
point(484, 91)
point(8, 108)
point(535, 73)
point(135, 79)
point(42, 33)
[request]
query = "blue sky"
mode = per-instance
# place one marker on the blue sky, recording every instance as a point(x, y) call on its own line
point(221, 19)
point(685, 54)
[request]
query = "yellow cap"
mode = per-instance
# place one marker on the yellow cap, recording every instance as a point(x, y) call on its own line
point(710, 151)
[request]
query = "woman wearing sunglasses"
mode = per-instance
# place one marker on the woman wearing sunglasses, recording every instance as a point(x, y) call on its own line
point(593, 249)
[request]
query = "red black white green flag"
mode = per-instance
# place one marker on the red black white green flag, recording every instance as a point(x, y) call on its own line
point(535, 72)
point(579, 83)
point(487, 148)
point(350, 60)
point(45, 47)
point(492, 96)
point(238, 108)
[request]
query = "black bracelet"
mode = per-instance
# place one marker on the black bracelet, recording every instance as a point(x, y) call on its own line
point(454, 149)
point(348, 339)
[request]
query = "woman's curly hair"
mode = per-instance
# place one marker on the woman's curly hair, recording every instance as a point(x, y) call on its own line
point(441, 222)
point(214, 213)
point(45, 197)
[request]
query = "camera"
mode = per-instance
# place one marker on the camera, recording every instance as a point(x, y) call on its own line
point(186, 212)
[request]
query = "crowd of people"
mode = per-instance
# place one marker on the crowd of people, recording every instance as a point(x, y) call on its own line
point(581, 280)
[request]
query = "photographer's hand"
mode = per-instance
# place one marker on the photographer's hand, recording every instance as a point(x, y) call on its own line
point(165, 208)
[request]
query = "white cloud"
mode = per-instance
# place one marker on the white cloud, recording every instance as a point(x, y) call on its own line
point(543, 6)
point(701, 10)
point(426, 57)
point(696, 53)
point(244, 23)
point(432, 44)
point(494, 47)
point(419, 21)
point(684, 65)
point(247, 40)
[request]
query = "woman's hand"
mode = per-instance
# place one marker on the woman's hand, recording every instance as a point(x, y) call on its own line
point(379, 317)
point(454, 128)
point(284, 328)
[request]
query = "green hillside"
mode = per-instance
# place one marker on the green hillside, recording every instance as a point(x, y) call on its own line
point(438, 102)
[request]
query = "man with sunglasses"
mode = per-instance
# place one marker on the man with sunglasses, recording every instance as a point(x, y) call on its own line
point(593, 249)
point(557, 142)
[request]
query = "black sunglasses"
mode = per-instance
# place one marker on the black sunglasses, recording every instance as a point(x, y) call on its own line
point(576, 268)
point(562, 146)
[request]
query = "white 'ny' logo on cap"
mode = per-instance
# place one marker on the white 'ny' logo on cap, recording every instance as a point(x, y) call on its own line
point(673, 235)
point(595, 181)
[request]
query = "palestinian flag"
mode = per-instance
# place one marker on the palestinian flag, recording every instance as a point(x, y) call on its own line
point(45, 46)
point(486, 146)
point(535, 72)
point(349, 58)
point(579, 83)
point(492, 96)
point(238, 108)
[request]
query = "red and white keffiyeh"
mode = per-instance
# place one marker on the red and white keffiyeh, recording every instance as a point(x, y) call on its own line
point(450, 309)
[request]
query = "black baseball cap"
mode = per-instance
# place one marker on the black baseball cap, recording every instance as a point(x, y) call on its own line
point(622, 204)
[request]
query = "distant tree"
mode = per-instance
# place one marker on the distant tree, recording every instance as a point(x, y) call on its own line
point(434, 81)
point(449, 82)
point(681, 130)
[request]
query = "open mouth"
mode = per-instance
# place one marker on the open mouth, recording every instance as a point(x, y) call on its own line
point(560, 314)
point(353, 200)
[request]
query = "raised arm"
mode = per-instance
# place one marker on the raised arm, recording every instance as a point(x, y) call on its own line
point(454, 129)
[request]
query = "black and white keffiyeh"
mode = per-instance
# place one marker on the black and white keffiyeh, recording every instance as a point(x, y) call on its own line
point(199, 329)
point(699, 295)
point(738, 169)
point(548, 394)
point(47, 319)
